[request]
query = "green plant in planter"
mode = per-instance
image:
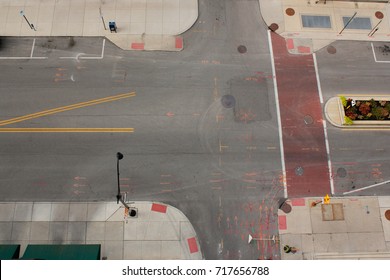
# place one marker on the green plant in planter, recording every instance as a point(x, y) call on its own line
point(347, 120)
point(343, 101)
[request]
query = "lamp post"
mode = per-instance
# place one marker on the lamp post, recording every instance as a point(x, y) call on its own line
point(119, 156)
point(131, 211)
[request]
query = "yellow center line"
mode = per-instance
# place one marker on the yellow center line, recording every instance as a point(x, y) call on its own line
point(60, 129)
point(66, 108)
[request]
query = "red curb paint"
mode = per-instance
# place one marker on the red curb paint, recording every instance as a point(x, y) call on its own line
point(138, 46)
point(298, 202)
point(159, 208)
point(282, 222)
point(179, 43)
point(303, 49)
point(192, 245)
point(290, 44)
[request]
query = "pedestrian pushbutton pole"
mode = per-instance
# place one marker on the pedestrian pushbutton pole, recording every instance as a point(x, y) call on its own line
point(29, 24)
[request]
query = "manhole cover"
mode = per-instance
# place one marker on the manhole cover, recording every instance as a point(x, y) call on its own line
point(290, 12)
point(331, 50)
point(273, 27)
point(228, 101)
point(379, 15)
point(285, 207)
point(299, 170)
point(308, 119)
point(387, 215)
point(341, 172)
point(241, 49)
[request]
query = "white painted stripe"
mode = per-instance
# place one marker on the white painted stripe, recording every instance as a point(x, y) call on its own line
point(32, 49)
point(324, 125)
point(23, 57)
point(368, 187)
point(373, 51)
point(278, 114)
point(318, 78)
point(79, 56)
point(328, 155)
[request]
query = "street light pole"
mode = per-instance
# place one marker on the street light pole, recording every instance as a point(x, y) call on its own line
point(119, 156)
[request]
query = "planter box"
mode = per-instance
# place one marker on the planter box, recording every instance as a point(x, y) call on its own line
point(334, 113)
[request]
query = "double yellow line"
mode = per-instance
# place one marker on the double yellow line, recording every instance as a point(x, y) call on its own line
point(58, 129)
point(63, 109)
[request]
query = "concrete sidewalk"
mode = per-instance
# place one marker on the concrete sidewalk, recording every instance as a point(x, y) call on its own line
point(141, 24)
point(158, 232)
point(324, 22)
point(347, 228)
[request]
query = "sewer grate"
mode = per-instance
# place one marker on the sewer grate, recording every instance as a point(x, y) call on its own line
point(341, 172)
point(242, 49)
point(331, 50)
point(299, 171)
point(308, 119)
point(228, 101)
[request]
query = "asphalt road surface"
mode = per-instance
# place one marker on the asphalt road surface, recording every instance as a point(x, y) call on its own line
point(200, 126)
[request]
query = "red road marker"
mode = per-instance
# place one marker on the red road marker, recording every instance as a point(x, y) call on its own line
point(298, 97)
point(282, 222)
point(170, 114)
point(298, 202)
point(179, 43)
point(159, 208)
point(137, 46)
point(290, 44)
point(192, 245)
point(303, 49)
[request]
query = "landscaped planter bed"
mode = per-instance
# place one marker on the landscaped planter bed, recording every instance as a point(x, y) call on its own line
point(365, 110)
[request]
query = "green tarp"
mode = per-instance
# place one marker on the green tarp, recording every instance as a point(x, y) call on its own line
point(9, 252)
point(62, 252)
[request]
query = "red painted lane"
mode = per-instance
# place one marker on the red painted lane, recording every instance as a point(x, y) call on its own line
point(304, 145)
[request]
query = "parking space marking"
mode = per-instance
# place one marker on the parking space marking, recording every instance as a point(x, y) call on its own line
point(25, 57)
point(80, 55)
point(376, 60)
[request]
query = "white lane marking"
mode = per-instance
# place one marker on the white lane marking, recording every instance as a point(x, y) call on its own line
point(318, 78)
point(328, 155)
point(368, 187)
point(324, 125)
point(32, 49)
point(377, 61)
point(278, 114)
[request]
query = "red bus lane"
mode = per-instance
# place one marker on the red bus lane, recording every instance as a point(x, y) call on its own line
point(305, 155)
